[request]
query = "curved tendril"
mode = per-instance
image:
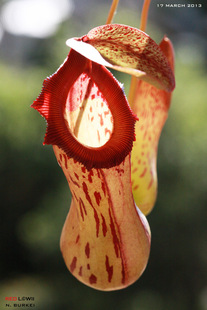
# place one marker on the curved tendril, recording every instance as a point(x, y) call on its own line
point(144, 15)
point(112, 11)
point(143, 24)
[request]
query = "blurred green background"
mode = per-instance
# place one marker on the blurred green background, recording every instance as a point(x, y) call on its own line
point(34, 194)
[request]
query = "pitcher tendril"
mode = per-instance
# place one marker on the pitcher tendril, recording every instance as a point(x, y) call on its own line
point(143, 23)
point(112, 11)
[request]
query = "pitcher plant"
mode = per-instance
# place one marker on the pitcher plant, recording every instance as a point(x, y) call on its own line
point(107, 146)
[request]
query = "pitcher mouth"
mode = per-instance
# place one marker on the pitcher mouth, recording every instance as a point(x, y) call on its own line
point(52, 105)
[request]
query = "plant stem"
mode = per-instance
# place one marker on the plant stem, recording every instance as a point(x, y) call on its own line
point(144, 15)
point(112, 11)
point(143, 23)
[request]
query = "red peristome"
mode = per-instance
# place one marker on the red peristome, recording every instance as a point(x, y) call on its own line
point(51, 104)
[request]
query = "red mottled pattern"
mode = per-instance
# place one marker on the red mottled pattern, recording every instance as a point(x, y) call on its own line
point(152, 110)
point(127, 47)
point(92, 241)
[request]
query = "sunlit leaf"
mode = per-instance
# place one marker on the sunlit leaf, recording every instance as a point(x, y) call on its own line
point(129, 50)
point(151, 106)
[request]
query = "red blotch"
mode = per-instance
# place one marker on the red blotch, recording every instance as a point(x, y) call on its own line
point(88, 266)
point(77, 239)
point(85, 189)
point(103, 188)
point(109, 269)
point(81, 212)
point(97, 222)
point(150, 183)
point(119, 170)
point(82, 206)
point(66, 161)
point(106, 113)
point(98, 197)
point(90, 176)
point(80, 271)
point(107, 131)
point(101, 119)
point(74, 182)
point(143, 173)
point(74, 196)
point(73, 264)
point(98, 173)
point(114, 235)
point(92, 279)
point(87, 250)
point(104, 227)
